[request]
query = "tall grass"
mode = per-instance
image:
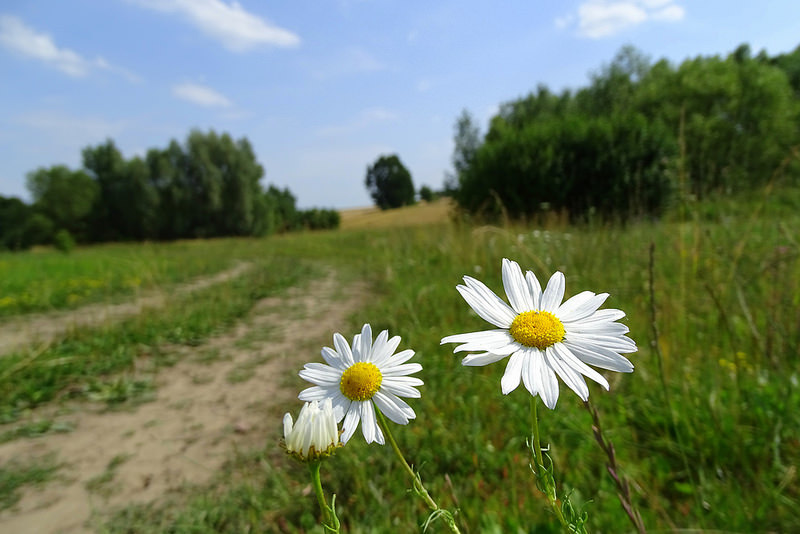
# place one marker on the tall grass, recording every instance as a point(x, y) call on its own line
point(705, 427)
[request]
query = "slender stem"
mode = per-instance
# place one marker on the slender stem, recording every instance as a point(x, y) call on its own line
point(329, 521)
point(313, 468)
point(547, 484)
point(623, 488)
point(419, 489)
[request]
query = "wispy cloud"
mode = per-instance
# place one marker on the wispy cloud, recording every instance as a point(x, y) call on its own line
point(364, 119)
point(20, 38)
point(602, 18)
point(201, 95)
point(229, 23)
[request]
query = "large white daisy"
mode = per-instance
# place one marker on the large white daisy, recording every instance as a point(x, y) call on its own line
point(544, 336)
point(359, 379)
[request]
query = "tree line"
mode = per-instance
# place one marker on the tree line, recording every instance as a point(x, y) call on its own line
point(637, 138)
point(209, 186)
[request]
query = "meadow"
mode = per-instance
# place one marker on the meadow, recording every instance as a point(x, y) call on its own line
point(705, 428)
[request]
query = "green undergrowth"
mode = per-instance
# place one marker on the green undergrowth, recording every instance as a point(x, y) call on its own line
point(705, 427)
point(47, 279)
point(98, 362)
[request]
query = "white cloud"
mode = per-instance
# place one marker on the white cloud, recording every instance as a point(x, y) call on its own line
point(364, 119)
point(26, 41)
point(200, 95)
point(603, 18)
point(671, 13)
point(237, 29)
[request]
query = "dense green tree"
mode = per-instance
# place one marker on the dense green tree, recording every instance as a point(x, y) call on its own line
point(389, 183)
point(64, 196)
point(21, 227)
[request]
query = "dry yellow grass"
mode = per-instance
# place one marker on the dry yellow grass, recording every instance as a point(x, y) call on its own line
point(434, 212)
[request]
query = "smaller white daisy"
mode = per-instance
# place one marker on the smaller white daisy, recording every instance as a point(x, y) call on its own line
point(315, 434)
point(543, 336)
point(361, 378)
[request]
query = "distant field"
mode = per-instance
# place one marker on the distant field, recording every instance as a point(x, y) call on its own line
point(422, 213)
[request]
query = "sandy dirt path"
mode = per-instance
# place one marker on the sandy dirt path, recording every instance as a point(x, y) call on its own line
point(203, 410)
point(45, 327)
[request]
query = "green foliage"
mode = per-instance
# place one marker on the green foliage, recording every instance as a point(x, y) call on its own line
point(389, 183)
point(65, 197)
point(426, 194)
point(610, 167)
point(638, 133)
point(21, 227)
point(63, 241)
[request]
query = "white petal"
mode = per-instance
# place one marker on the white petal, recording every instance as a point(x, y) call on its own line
point(609, 314)
point(364, 348)
point(384, 348)
point(350, 423)
point(480, 359)
point(584, 309)
point(394, 408)
point(535, 289)
point(401, 370)
point(553, 293)
point(515, 286)
point(341, 405)
point(571, 378)
point(333, 359)
point(615, 343)
point(320, 374)
point(548, 389)
point(490, 338)
point(369, 425)
point(597, 327)
point(600, 357)
point(573, 302)
point(513, 373)
point(389, 409)
point(397, 359)
point(315, 393)
point(399, 388)
point(343, 349)
point(571, 360)
point(493, 307)
point(288, 424)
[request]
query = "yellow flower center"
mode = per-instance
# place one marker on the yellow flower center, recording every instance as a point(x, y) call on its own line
point(538, 329)
point(361, 381)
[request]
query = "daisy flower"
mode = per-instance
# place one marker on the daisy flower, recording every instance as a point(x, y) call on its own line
point(315, 435)
point(361, 378)
point(544, 337)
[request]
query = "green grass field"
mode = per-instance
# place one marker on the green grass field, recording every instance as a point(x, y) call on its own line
point(706, 428)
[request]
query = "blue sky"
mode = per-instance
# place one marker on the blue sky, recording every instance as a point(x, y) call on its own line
point(321, 88)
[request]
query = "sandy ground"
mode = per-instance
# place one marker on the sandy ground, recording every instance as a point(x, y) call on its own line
point(197, 419)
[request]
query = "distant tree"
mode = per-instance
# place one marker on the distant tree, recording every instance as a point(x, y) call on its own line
point(21, 227)
point(64, 196)
point(389, 183)
point(426, 193)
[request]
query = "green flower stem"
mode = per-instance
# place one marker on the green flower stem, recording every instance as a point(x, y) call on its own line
point(419, 489)
point(330, 521)
point(544, 478)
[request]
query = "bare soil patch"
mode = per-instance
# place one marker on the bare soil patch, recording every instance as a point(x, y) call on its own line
point(213, 401)
point(42, 328)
